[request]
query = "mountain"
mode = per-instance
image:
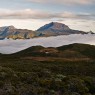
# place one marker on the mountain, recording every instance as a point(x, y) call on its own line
point(66, 70)
point(51, 29)
point(90, 32)
point(72, 51)
point(14, 33)
point(55, 28)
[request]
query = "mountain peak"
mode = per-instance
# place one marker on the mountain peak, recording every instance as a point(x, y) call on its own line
point(11, 27)
point(54, 26)
point(56, 23)
point(7, 27)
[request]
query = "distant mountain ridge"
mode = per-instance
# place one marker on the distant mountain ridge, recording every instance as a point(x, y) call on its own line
point(55, 28)
point(51, 29)
point(14, 33)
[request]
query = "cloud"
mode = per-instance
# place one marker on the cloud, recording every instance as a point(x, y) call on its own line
point(23, 14)
point(65, 2)
point(37, 14)
point(75, 16)
point(8, 46)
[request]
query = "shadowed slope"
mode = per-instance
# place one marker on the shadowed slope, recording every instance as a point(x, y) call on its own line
point(68, 51)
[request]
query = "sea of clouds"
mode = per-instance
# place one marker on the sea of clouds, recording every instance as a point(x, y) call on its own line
point(9, 46)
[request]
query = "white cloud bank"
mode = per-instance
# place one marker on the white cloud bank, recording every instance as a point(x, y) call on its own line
point(38, 14)
point(8, 46)
point(33, 19)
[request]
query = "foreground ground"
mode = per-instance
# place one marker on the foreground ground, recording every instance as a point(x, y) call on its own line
point(50, 75)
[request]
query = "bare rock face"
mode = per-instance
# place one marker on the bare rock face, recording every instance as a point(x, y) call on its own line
point(14, 33)
point(55, 28)
point(51, 29)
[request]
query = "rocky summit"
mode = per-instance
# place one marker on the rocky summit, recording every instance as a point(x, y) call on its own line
point(14, 33)
point(51, 29)
point(55, 28)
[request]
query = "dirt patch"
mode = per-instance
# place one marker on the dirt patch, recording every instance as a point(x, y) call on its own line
point(56, 59)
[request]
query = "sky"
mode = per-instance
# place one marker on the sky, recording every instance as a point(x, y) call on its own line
point(32, 14)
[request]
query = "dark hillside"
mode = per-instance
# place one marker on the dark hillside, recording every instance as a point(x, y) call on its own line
point(66, 70)
point(85, 49)
point(68, 51)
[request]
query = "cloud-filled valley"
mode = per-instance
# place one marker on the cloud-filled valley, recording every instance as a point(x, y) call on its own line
point(8, 46)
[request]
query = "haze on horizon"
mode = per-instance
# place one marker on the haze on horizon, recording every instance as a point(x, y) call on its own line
point(31, 14)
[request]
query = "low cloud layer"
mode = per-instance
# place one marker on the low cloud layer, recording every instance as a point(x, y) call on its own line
point(8, 46)
point(37, 14)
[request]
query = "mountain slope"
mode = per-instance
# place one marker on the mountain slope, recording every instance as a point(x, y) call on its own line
point(68, 51)
point(84, 49)
point(14, 33)
point(24, 74)
point(51, 29)
point(55, 28)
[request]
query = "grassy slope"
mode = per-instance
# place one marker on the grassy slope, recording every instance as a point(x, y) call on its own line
point(22, 76)
point(68, 51)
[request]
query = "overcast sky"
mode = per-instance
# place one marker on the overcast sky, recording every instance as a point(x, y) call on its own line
point(31, 14)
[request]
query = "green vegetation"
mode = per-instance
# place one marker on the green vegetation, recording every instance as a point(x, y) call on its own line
point(30, 73)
